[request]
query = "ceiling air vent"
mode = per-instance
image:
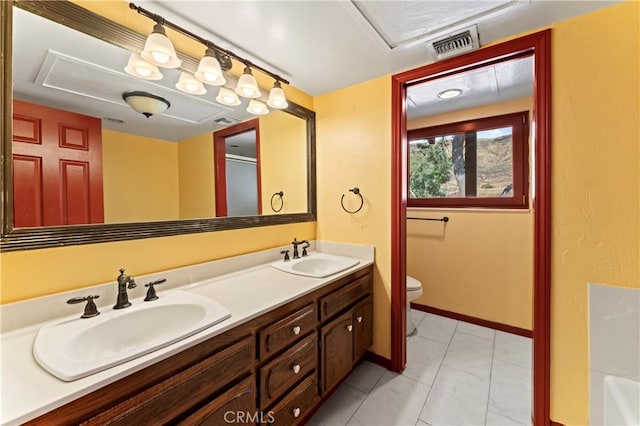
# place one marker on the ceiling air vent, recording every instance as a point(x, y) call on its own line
point(455, 44)
point(225, 121)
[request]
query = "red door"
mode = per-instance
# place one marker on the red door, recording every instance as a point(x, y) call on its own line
point(57, 167)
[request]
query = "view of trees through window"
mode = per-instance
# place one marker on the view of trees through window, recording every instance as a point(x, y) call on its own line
point(471, 164)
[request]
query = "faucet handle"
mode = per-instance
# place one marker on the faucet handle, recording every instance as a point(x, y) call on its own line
point(151, 293)
point(90, 310)
point(305, 246)
point(286, 255)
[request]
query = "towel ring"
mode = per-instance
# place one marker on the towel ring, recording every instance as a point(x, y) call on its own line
point(281, 195)
point(356, 191)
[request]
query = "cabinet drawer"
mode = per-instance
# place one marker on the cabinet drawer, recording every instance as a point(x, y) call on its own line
point(284, 371)
point(165, 401)
point(340, 299)
point(237, 406)
point(292, 409)
point(287, 330)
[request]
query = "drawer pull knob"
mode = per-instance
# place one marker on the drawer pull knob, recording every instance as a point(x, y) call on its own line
point(349, 327)
point(296, 330)
point(296, 368)
point(359, 319)
point(296, 412)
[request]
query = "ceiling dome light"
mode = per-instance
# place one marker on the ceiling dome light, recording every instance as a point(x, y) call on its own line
point(146, 103)
point(158, 49)
point(277, 98)
point(227, 97)
point(257, 107)
point(140, 68)
point(247, 85)
point(450, 93)
point(189, 84)
point(209, 70)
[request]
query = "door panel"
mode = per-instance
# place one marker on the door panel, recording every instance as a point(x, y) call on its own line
point(68, 147)
point(27, 191)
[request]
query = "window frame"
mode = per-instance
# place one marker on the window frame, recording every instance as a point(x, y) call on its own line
point(519, 122)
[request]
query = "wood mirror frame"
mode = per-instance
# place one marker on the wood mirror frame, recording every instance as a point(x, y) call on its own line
point(539, 44)
point(85, 21)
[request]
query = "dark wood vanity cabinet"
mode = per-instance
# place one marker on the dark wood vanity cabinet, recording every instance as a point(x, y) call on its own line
point(273, 369)
point(345, 340)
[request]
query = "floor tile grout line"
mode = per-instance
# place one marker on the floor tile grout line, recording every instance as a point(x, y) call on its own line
point(365, 398)
point(493, 352)
point(435, 377)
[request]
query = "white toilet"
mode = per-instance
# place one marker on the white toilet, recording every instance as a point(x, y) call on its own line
point(414, 290)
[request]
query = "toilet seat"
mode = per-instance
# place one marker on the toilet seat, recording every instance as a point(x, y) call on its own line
point(413, 284)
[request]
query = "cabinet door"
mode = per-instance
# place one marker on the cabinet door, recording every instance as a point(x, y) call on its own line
point(337, 350)
point(236, 406)
point(362, 328)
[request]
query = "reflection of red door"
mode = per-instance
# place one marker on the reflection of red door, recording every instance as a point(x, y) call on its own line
point(57, 167)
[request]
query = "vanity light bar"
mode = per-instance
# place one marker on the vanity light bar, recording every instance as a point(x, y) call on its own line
point(225, 64)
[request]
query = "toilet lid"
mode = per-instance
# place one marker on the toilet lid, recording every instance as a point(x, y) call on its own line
point(413, 284)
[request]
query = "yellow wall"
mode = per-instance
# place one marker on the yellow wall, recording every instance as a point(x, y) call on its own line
point(33, 273)
point(283, 166)
point(595, 213)
point(479, 264)
point(197, 177)
point(140, 178)
point(353, 149)
point(495, 247)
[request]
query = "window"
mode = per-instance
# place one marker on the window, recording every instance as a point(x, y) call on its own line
point(476, 163)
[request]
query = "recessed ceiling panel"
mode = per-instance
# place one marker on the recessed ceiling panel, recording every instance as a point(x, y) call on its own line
point(399, 22)
point(496, 83)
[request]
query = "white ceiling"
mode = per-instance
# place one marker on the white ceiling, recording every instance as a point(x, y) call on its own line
point(321, 46)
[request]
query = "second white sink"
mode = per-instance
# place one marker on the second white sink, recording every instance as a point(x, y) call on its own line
point(80, 347)
point(317, 265)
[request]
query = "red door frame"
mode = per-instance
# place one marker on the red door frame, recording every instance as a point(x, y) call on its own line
point(540, 44)
point(219, 138)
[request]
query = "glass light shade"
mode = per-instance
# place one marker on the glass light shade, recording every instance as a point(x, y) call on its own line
point(247, 85)
point(257, 107)
point(159, 50)
point(189, 84)
point(227, 97)
point(277, 98)
point(209, 70)
point(146, 103)
point(450, 93)
point(140, 68)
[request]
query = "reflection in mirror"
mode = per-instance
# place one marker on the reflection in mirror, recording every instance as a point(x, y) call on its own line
point(156, 174)
point(468, 137)
point(117, 165)
point(238, 170)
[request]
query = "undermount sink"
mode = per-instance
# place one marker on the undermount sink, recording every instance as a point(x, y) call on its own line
point(78, 347)
point(317, 265)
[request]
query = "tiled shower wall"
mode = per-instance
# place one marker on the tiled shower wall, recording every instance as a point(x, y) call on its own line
point(614, 340)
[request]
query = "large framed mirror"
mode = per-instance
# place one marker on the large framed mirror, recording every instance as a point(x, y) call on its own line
point(80, 165)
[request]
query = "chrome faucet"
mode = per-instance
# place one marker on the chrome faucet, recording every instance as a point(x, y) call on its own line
point(124, 282)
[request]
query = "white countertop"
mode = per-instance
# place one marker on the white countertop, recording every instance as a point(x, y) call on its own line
point(251, 290)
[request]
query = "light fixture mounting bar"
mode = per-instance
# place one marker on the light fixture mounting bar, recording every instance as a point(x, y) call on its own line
point(162, 21)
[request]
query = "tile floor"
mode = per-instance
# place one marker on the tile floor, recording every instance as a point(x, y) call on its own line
point(457, 374)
